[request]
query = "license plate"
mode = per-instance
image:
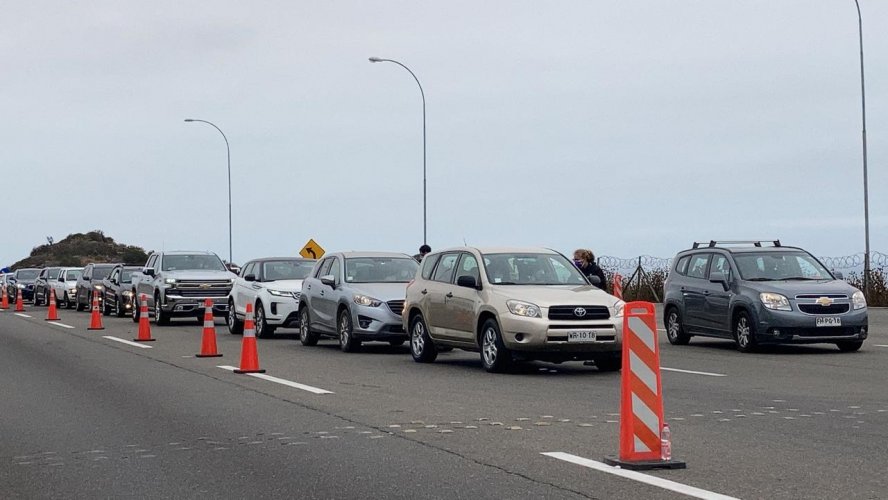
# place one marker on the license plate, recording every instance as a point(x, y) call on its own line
point(581, 336)
point(829, 321)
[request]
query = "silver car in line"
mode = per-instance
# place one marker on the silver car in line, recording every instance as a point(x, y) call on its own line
point(356, 297)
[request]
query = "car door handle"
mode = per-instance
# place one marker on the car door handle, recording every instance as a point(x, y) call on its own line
point(424, 291)
point(322, 293)
point(706, 292)
point(449, 295)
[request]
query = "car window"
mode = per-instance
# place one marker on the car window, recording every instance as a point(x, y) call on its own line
point(334, 269)
point(322, 269)
point(698, 265)
point(249, 269)
point(54, 273)
point(444, 271)
point(720, 264)
point(285, 269)
point(192, 262)
point(151, 261)
point(428, 265)
point(775, 266)
point(682, 266)
point(468, 266)
point(380, 269)
point(114, 274)
point(73, 275)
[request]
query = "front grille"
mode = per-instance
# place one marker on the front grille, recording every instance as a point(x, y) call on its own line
point(198, 292)
point(817, 296)
point(819, 309)
point(397, 306)
point(202, 288)
point(570, 313)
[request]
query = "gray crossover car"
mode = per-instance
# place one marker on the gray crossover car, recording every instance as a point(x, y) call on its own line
point(355, 297)
point(760, 294)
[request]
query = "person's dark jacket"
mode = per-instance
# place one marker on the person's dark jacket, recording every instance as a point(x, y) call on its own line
point(593, 269)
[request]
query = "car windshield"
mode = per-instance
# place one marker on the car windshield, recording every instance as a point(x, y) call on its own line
point(380, 269)
point(531, 269)
point(73, 275)
point(780, 266)
point(126, 275)
point(27, 274)
point(193, 262)
point(101, 272)
point(53, 274)
point(274, 270)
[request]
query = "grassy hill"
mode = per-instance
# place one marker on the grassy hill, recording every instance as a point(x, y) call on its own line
point(80, 249)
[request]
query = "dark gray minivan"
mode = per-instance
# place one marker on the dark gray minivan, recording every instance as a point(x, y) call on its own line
point(760, 294)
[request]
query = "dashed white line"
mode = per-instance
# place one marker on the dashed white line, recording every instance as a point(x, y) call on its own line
point(281, 381)
point(56, 323)
point(692, 372)
point(127, 342)
point(880, 345)
point(23, 315)
point(666, 484)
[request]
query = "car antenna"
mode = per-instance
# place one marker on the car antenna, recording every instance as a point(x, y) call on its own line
point(464, 242)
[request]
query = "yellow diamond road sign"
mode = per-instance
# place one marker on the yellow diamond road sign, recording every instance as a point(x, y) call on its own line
point(312, 250)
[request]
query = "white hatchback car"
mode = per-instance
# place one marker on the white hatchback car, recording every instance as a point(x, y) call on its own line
point(273, 285)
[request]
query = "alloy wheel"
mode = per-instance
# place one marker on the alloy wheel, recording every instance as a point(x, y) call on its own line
point(673, 326)
point(488, 347)
point(743, 332)
point(343, 329)
point(417, 339)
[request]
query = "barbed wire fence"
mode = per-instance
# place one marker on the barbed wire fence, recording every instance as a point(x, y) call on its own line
point(643, 277)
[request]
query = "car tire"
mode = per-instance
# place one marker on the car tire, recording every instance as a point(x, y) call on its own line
point(106, 311)
point(118, 311)
point(422, 347)
point(849, 345)
point(235, 326)
point(609, 363)
point(79, 306)
point(137, 310)
point(263, 330)
point(744, 333)
point(306, 336)
point(495, 356)
point(36, 298)
point(160, 318)
point(68, 304)
point(347, 340)
point(675, 332)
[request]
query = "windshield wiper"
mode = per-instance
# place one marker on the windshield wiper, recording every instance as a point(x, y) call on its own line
point(799, 278)
point(760, 279)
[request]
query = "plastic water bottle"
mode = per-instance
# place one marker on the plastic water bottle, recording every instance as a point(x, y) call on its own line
point(665, 443)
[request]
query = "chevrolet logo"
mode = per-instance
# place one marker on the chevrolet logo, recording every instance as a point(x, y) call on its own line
point(204, 286)
point(824, 301)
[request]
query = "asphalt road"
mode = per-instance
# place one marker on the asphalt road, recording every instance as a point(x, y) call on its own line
point(84, 416)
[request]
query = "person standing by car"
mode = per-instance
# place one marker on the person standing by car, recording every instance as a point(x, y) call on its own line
point(585, 262)
point(423, 250)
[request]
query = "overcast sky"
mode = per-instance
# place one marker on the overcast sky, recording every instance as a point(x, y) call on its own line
point(630, 127)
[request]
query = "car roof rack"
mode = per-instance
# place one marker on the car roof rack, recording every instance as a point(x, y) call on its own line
point(756, 243)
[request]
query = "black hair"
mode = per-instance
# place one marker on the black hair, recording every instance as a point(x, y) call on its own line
point(425, 249)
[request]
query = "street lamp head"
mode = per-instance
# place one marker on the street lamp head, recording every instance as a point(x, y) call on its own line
point(189, 119)
point(375, 60)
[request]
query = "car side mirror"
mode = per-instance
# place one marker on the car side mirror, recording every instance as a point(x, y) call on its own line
point(329, 280)
point(595, 280)
point(467, 282)
point(839, 275)
point(718, 277)
point(149, 272)
point(61, 279)
point(87, 278)
point(250, 277)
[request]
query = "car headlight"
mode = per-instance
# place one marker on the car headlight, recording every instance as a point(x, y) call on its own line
point(859, 300)
point(99, 287)
point(170, 281)
point(775, 301)
point(280, 293)
point(73, 289)
point(618, 309)
point(525, 309)
point(363, 300)
point(19, 285)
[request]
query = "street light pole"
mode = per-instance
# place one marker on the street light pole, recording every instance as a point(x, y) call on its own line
point(866, 254)
point(422, 93)
point(228, 150)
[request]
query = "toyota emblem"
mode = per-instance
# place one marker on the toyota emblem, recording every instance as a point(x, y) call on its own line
point(580, 312)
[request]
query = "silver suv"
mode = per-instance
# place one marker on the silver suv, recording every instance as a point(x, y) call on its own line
point(355, 297)
point(511, 304)
point(757, 293)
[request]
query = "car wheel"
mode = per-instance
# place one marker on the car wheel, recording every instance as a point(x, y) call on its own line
point(263, 330)
point(36, 299)
point(609, 363)
point(306, 336)
point(118, 311)
point(235, 326)
point(849, 345)
point(495, 357)
point(347, 340)
point(137, 309)
point(80, 307)
point(160, 318)
point(744, 333)
point(422, 347)
point(675, 329)
point(106, 309)
point(67, 304)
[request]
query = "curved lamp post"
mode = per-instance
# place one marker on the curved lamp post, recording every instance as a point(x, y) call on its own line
point(228, 150)
point(866, 255)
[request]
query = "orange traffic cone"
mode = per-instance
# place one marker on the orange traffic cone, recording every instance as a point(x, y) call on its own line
point(4, 301)
point(144, 324)
point(19, 303)
point(249, 356)
point(208, 342)
point(95, 322)
point(53, 313)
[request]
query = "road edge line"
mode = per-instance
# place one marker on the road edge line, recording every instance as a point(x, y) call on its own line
point(127, 342)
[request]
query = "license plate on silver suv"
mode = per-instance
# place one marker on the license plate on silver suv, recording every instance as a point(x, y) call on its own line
point(828, 321)
point(581, 336)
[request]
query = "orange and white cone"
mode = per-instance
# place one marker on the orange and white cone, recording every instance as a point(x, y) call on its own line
point(53, 313)
point(4, 301)
point(19, 303)
point(95, 322)
point(144, 334)
point(208, 342)
point(618, 286)
point(249, 355)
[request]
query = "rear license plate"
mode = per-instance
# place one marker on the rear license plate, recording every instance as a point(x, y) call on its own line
point(581, 336)
point(828, 321)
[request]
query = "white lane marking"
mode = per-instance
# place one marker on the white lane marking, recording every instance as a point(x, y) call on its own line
point(56, 323)
point(880, 345)
point(666, 484)
point(281, 381)
point(127, 342)
point(692, 372)
point(22, 315)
